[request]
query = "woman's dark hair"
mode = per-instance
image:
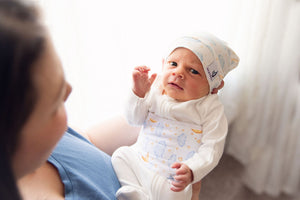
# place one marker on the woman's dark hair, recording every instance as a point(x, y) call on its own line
point(22, 39)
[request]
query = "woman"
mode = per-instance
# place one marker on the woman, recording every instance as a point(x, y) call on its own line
point(33, 117)
point(33, 92)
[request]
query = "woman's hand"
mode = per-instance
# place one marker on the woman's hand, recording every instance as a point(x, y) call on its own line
point(183, 177)
point(141, 81)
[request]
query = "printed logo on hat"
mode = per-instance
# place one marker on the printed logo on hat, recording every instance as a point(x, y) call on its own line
point(212, 71)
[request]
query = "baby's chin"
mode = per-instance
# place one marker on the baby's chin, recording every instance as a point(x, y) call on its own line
point(178, 94)
point(180, 97)
point(174, 96)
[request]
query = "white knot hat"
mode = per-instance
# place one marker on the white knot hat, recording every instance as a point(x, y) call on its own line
point(215, 55)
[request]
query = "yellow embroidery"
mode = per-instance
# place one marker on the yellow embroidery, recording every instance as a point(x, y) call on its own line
point(146, 159)
point(196, 131)
point(152, 120)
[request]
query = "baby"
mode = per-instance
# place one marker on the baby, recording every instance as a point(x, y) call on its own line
point(184, 125)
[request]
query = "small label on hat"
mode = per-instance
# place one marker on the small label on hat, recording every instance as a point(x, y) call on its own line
point(212, 70)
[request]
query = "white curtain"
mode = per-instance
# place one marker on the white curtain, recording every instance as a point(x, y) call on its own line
point(101, 41)
point(264, 103)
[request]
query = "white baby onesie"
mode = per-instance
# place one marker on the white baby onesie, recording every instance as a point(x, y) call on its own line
point(191, 132)
point(163, 142)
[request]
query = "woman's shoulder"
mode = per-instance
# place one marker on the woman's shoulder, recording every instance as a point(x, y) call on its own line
point(83, 168)
point(44, 183)
point(78, 132)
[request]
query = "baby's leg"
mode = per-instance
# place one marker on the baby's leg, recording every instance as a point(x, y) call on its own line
point(196, 187)
point(130, 175)
point(161, 189)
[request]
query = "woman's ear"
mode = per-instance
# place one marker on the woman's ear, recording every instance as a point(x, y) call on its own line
point(163, 62)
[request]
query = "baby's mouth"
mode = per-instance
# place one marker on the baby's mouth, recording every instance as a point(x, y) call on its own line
point(174, 85)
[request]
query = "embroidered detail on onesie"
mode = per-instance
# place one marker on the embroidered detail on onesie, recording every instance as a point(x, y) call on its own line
point(197, 131)
point(163, 142)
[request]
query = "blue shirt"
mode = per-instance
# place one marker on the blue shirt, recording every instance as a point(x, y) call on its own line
point(85, 171)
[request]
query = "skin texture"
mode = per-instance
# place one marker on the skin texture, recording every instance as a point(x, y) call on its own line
point(48, 120)
point(183, 76)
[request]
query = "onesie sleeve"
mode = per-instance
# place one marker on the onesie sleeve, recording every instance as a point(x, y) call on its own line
point(136, 109)
point(215, 129)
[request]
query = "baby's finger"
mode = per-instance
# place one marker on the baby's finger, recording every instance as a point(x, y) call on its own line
point(178, 184)
point(177, 189)
point(152, 78)
point(181, 178)
point(142, 68)
point(176, 165)
point(182, 170)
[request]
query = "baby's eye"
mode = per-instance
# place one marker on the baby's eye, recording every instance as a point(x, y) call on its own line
point(194, 71)
point(173, 64)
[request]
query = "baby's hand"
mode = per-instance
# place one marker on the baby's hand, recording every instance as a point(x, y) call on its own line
point(141, 81)
point(183, 177)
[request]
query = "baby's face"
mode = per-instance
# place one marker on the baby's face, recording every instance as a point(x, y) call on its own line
point(183, 76)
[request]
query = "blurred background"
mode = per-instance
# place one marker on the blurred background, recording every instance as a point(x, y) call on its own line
point(100, 42)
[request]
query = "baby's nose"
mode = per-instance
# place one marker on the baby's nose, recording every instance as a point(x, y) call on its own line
point(178, 73)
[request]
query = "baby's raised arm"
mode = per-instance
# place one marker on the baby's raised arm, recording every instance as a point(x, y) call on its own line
point(141, 81)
